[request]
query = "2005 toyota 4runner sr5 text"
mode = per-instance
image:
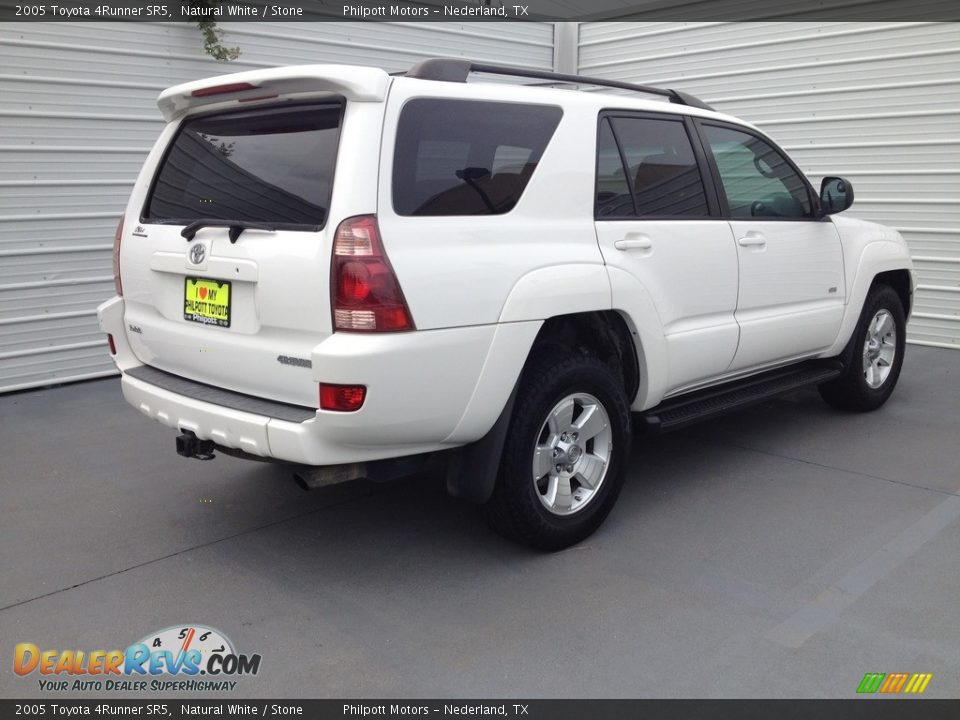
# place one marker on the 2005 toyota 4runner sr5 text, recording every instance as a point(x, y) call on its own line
point(364, 275)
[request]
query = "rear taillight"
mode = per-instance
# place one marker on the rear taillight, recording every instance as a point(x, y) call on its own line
point(112, 344)
point(366, 296)
point(342, 398)
point(116, 257)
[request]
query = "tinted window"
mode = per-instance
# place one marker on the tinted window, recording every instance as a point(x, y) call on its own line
point(757, 179)
point(613, 193)
point(661, 167)
point(459, 157)
point(270, 165)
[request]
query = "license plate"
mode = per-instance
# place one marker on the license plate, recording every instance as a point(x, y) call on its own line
point(207, 301)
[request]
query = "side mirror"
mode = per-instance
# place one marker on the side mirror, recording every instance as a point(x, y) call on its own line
point(836, 195)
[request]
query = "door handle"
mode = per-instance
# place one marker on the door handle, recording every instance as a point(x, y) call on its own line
point(752, 239)
point(634, 242)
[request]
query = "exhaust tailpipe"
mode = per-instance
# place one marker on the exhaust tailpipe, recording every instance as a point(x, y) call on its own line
point(309, 477)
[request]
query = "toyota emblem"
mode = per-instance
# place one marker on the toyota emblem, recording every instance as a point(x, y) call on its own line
point(197, 254)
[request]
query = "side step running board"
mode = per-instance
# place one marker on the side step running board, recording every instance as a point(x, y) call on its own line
point(693, 407)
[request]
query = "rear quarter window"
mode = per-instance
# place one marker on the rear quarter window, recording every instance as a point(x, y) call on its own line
point(270, 165)
point(467, 157)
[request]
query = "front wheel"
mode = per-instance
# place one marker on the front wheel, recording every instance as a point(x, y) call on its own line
point(565, 456)
point(875, 356)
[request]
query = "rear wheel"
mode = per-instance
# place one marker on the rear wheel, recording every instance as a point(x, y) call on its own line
point(564, 459)
point(875, 355)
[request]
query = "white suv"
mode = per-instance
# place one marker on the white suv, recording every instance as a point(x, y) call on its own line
point(363, 274)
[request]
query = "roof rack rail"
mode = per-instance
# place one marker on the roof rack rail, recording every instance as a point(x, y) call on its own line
point(457, 70)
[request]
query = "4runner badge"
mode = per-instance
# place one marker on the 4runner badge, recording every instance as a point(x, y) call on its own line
point(197, 254)
point(299, 362)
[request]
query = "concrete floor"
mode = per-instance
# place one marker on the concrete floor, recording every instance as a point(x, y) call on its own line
point(783, 551)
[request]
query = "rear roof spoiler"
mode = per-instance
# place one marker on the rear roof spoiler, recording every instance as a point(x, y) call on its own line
point(359, 84)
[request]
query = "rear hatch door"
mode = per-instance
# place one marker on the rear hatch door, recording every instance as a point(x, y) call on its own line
point(226, 275)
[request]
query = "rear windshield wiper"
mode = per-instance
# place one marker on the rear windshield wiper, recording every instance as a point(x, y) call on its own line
point(236, 227)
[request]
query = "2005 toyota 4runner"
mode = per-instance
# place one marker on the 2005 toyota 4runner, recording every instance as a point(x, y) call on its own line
point(363, 275)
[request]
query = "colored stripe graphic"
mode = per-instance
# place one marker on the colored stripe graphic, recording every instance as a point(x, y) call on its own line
point(893, 683)
point(913, 683)
point(918, 683)
point(871, 682)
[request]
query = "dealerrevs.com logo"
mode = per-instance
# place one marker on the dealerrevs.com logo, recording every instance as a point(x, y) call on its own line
point(180, 658)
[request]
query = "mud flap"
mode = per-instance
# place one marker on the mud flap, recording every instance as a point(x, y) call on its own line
point(472, 470)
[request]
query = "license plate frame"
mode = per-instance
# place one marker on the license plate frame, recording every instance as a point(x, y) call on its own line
point(203, 311)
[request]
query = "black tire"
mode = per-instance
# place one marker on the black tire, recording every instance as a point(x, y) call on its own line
point(851, 391)
point(515, 509)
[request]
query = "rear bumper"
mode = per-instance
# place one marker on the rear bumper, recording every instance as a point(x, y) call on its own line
point(296, 442)
point(422, 389)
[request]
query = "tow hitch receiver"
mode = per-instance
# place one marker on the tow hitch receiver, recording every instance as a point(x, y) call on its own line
point(190, 446)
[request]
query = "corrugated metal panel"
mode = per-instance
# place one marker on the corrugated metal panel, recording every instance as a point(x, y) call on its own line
point(876, 102)
point(77, 117)
point(753, 10)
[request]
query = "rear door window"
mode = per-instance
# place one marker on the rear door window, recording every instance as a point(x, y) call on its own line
point(271, 165)
point(614, 198)
point(467, 157)
point(660, 169)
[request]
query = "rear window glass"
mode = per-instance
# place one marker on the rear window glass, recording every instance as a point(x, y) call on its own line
point(613, 191)
point(270, 165)
point(467, 157)
point(661, 167)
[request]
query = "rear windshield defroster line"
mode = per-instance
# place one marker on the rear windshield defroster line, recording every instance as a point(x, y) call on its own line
point(271, 165)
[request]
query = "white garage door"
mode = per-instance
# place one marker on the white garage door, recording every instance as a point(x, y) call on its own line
point(77, 117)
point(876, 102)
